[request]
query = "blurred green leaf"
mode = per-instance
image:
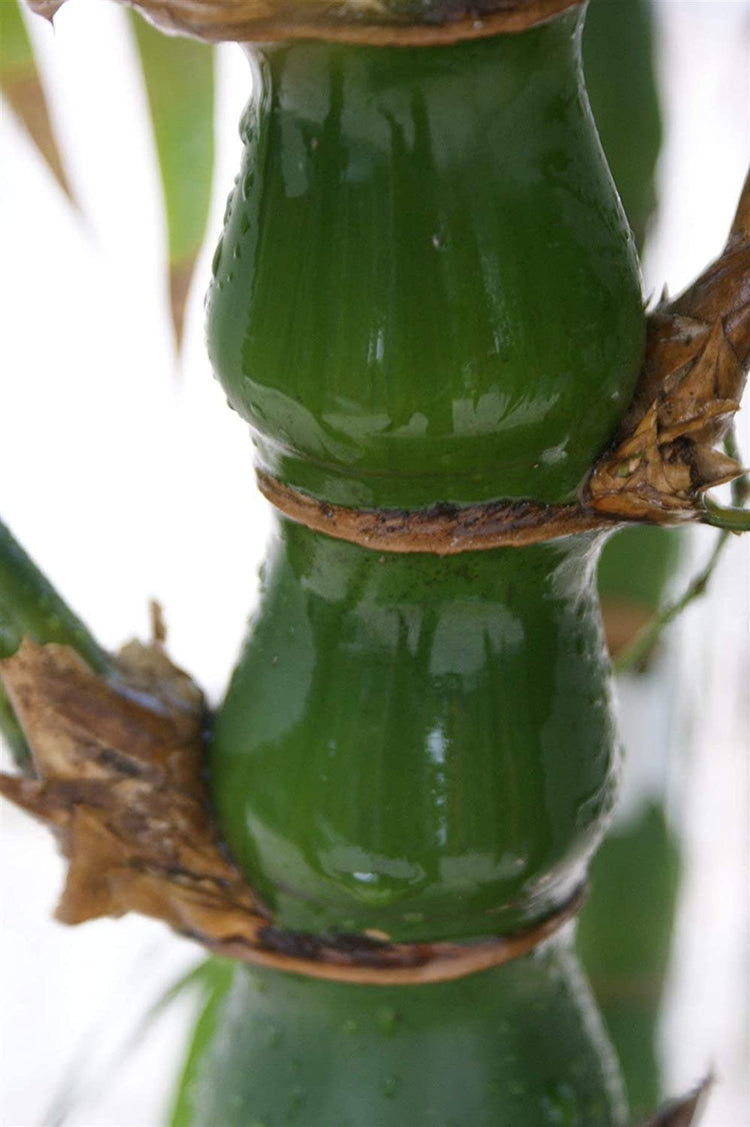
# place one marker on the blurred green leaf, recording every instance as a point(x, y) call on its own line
point(179, 77)
point(619, 62)
point(216, 978)
point(19, 82)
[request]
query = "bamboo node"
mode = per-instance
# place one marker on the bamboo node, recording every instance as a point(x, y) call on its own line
point(660, 464)
point(119, 776)
point(377, 23)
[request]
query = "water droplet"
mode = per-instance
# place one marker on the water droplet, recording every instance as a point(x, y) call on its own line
point(298, 1098)
point(246, 124)
point(350, 1026)
point(236, 252)
point(244, 224)
point(390, 1086)
point(387, 1019)
point(217, 257)
point(273, 1036)
point(247, 183)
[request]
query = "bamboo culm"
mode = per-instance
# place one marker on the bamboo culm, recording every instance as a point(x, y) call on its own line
point(425, 291)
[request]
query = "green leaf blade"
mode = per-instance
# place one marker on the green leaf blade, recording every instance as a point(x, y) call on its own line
point(179, 78)
point(216, 980)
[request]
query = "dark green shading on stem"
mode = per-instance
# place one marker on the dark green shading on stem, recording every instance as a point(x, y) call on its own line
point(30, 607)
point(179, 77)
point(20, 84)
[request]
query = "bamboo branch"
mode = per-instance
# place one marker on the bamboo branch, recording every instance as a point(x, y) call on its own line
point(31, 607)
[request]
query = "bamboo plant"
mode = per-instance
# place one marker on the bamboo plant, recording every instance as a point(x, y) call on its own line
point(426, 304)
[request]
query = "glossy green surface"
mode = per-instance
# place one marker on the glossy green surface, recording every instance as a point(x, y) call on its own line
point(426, 289)
point(416, 744)
point(518, 1046)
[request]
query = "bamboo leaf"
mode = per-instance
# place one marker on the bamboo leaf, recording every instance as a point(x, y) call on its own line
point(179, 77)
point(19, 81)
point(79, 1085)
point(216, 982)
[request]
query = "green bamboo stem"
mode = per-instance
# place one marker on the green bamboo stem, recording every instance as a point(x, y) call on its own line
point(522, 1040)
point(416, 747)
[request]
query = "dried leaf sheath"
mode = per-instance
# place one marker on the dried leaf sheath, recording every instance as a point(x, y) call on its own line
point(697, 355)
point(119, 776)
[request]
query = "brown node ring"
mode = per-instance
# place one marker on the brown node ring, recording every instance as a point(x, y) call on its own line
point(443, 530)
point(372, 24)
point(369, 961)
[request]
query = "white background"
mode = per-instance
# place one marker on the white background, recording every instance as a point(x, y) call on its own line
point(127, 477)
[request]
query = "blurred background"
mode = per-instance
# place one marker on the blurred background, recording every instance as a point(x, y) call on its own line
point(126, 477)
